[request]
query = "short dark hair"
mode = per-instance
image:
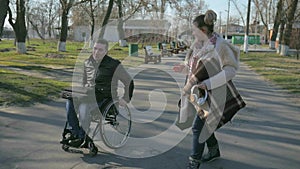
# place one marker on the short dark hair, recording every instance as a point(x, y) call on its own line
point(104, 42)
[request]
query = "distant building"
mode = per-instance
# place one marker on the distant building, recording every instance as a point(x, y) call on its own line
point(8, 33)
point(232, 28)
point(132, 28)
point(137, 26)
point(81, 33)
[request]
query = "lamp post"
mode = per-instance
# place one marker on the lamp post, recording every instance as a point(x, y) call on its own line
point(227, 24)
point(220, 24)
point(247, 28)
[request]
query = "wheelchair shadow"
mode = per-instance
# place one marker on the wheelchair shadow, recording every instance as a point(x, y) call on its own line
point(108, 161)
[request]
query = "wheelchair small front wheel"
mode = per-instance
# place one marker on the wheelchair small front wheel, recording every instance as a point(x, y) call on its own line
point(115, 125)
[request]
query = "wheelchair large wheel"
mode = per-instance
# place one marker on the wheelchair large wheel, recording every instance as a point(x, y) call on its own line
point(115, 125)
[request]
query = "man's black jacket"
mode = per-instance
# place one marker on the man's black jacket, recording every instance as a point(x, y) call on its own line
point(104, 76)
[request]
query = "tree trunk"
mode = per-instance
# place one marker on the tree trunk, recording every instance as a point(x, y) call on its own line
point(3, 14)
point(21, 47)
point(276, 24)
point(66, 6)
point(106, 18)
point(63, 31)
point(92, 25)
point(289, 26)
point(19, 26)
point(61, 46)
point(50, 19)
point(282, 23)
point(92, 32)
point(284, 50)
point(20, 21)
point(162, 9)
point(35, 27)
point(121, 32)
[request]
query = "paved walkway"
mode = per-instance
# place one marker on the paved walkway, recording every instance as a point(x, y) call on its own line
point(264, 135)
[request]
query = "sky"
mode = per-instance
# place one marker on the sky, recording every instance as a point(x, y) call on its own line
point(222, 6)
point(219, 6)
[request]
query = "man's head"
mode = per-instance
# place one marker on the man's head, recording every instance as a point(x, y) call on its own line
point(100, 49)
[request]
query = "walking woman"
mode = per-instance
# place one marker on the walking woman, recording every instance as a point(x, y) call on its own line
point(211, 68)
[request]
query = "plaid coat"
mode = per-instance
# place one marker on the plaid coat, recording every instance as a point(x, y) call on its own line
point(223, 101)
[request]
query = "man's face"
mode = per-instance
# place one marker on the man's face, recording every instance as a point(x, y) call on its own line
point(99, 51)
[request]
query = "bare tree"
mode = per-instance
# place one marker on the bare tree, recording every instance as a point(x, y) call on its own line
point(88, 14)
point(120, 20)
point(100, 11)
point(297, 42)
point(186, 11)
point(289, 25)
point(281, 30)
point(3, 14)
point(66, 5)
point(106, 18)
point(41, 16)
point(37, 19)
point(52, 11)
point(277, 19)
point(92, 10)
point(19, 26)
point(239, 11)
point(262, 9)
point(123, 15)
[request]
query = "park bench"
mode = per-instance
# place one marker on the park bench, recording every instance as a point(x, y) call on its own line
point(150, 56)
point(174, 48)
point(165, 50)
point(181, 46)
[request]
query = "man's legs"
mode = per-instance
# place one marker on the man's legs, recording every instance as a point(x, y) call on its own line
point(73, 122)
point(84, 116)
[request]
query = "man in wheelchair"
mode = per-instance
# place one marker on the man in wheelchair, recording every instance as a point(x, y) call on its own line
point(101, 74)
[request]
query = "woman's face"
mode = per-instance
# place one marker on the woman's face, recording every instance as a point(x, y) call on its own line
point(199, 33)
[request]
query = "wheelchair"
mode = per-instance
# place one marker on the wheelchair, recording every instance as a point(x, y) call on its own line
point(112, 122)
point(109, 121)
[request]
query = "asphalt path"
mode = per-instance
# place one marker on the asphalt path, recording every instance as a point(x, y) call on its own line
point(264, 135)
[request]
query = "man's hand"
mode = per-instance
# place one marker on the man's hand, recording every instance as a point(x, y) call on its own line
point(122, 102)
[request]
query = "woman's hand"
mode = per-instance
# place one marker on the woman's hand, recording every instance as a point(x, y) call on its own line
point(202, 86)
point(187, 89)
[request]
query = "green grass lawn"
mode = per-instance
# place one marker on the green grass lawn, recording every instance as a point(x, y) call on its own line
point(32, 77)
point(19, 89)
point(282, 70)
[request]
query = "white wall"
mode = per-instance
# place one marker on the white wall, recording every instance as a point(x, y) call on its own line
point(111, 34)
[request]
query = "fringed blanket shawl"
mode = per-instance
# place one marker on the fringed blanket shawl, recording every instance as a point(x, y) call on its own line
point(223, 101)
